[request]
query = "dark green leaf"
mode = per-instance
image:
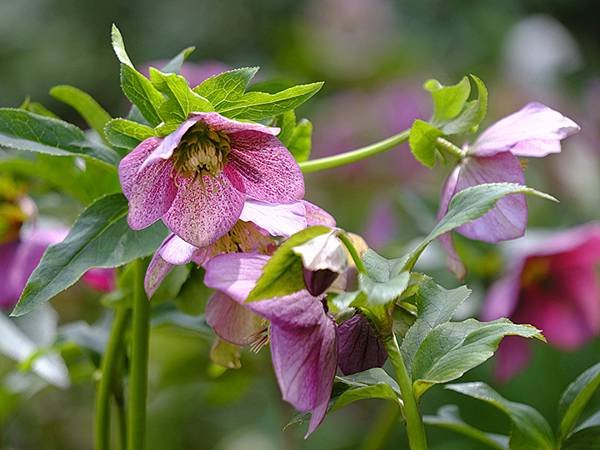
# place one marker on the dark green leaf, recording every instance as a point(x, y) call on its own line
point(22, 130)
point(282, 275)
point(126, 134)
point(449, 418)
point(422, 141)
point(140, 91)
point(372, 383)
point(586, 436)
point(100, 237)
point(529, 429)
point(383, 292)
point(94, 115)
point(453, 348)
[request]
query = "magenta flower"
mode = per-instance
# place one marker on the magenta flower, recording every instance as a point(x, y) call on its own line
point(359, 347)
point(302, 333)
point(101, 279)
point(197, 178)
point(254, 232)
point(533, 131)
point(554, 286)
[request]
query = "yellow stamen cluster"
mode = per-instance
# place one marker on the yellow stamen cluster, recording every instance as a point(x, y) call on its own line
point(260, 339)
point(202, 151)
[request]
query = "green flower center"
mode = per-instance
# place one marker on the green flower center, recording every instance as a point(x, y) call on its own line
point(202, 151)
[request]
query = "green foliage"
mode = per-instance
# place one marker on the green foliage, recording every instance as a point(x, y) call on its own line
point(37, 108)
point(94, 115)
point(379, 293)
point(100, 237)
point(174, 65)
point(296, 136)
point(372, 383)
point(282, 275)
point(422, 142)
point(529, 429)
point(473, 113)
point(586, 436)
point(226, 89)
point(125, 134)
point(449, 418)
point(448, 101)
point(23, 130)
point(453, 348)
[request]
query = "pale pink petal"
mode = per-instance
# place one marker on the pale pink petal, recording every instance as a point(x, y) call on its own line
point(359, 348)
point(151, 194)
point(232, 321)
point(156, 272)
point(508, 219)
point(269, 171)
point(533, 131)
point(282, 219)
point(101, 279)
point(317, 216)
point(204, 210)
point(131, 164)
point(297, 310)
point(176, 251)
point(234, 274)
point(9, 295)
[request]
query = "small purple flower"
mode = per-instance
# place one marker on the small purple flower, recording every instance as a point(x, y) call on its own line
point(533, 131)
point(555, 287)
point(254, 232)
point(101, 279)
point(198, 177)
point(359, 347)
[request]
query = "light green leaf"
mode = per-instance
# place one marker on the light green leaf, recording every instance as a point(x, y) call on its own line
point(422, 141)
point(125, 134)
point(468, 205)
point(449, 418)
point(453, 348)
point(372, 383)
point(586, 436)
point(140, 91)
point(448, 101)
point(22, 130)
point(94, 115)
point(100, 237)
point(174, 66)
point(119, 46)
point(529, 429)
point(260, 105)
point(225, 89)
point(473, 113)
point(576, 397)
point(282, 275)
point(435, 306)
point(380, 293)
point(37, 108)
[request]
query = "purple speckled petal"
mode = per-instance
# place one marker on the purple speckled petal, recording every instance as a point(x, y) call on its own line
point(453, 261)
point(204, 210)
point(168, 145)
point(130, 165)
point(359, 348)
point(156, 272)
point(101, 279)
point(533, 131)
point(220, 123)
point(508, 219)
point(317, 216)
point(282, 219)
point(232, 321)
point(269, 171)
point(234, 274)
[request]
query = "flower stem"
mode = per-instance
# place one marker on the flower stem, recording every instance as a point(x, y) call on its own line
point(138, 376)
point(448, 147)
point(414, 422)
point(342, 159)
point(360, 266)
point(110, 362)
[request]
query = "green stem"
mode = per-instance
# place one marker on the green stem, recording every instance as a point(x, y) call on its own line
point(138, 376)
point(360, 266)
point(414, 422)
point(378, 435)
point(110, 361)
point(342, 159)
point(448, 147)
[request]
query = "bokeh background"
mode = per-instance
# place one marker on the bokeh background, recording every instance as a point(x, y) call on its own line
point(374, 56)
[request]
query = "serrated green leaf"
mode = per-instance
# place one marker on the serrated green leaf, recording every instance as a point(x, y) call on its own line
point(260, 105)
point(94, 115)
point(372, 383)
point(473, 113)
point(435, 306)
point(448, 101)
point(422, 142)
point(282, 275)
point(300, 144)
point(125, 134)
point(140, 91)
point(381, 293)
point(586, 436)
point(449, 418)
point(468, 205)
point(119, 46)
point(575, 398)
point(529, 429)
point(226, 88)
point(100, 237)
point(174, 65)
point(453, 348)
point(22, 130)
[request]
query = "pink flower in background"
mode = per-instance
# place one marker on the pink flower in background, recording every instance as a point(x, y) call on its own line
point(194, 73)
point(533, 131)
point(197, 178)
point(101, 279)
point(382, 225)
point(254, 232)
point(554, 286)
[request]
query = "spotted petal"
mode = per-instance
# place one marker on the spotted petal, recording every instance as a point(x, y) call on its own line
point(132, 162)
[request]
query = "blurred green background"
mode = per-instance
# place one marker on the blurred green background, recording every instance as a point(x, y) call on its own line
point(373, 56)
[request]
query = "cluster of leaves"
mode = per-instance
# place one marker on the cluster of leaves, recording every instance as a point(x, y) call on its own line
point(84, 165)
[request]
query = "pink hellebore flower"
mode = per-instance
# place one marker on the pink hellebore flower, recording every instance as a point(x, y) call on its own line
point(254, 232)
point(101, 279)
point(554, 286)
point(198, 177)
point(533, 131)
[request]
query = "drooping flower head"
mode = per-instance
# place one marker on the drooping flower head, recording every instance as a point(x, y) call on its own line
point(533, 131)
point(554, 285)
point(197, 178)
